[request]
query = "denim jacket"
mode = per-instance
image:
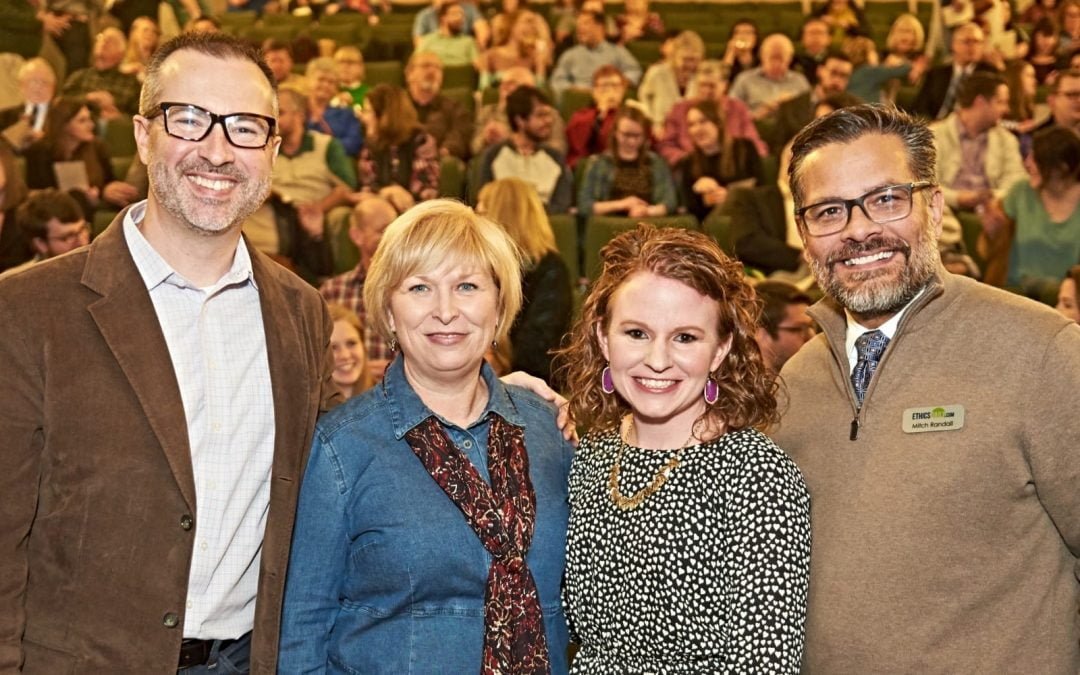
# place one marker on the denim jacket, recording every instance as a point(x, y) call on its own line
point(386, 575)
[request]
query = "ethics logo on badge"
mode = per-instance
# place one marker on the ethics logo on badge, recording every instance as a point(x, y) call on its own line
point(933, 418)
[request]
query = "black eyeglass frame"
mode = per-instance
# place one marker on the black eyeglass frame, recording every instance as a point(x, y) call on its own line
point(860, 201)
point(216, 119)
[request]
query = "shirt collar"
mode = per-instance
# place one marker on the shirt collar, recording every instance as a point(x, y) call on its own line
point(407, 410)
point(855, 330)
point(155, 271)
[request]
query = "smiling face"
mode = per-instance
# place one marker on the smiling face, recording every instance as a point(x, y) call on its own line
point(444, 320)
point(872, 269)
point(347, 346)
point(703, 132)
point(210, 186)
point(80, 128)
point(629, 138)
point(662, 340)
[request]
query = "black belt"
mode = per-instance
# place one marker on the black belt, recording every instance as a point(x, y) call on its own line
point(197, 652)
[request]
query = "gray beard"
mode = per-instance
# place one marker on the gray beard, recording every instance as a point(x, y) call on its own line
point(869, 296)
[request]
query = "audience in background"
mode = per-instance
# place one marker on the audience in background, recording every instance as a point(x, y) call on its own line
point(668, 82)
point(279, 57)
point(717, 161)
point(576, 67)
point(833, 77)
point(350, 68)
point(492, 124)
point(638, 23)
point(588, 130)
point(547, 303)
point(143, 39)
point(401, 160)
point(112, 92)
point(24, 123)
point(814, 42)
point(427, 22)
point(323, 87)
point(1023, 89)
point(1068, 300)
point(1043, 55)
point(53, 223)
point(708, 85)
point(449, 42)
point(940, 85)
point(764, 88)
point(70, 157)
point(784, 326)
point(1064, 102)
point(628, 179)
point(444, 118)
point(14, 249)
point(350, 375)
point(528, 45)
point(741, 50)
point(526, 154)
point(844, 18)
point(1069, 24)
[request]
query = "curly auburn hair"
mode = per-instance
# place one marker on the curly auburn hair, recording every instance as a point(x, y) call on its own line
point(747, 391)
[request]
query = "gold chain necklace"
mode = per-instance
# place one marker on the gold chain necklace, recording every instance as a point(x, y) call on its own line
point(661, 476)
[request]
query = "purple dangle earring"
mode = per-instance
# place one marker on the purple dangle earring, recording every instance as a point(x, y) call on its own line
point(712, 390)
point(606, 383)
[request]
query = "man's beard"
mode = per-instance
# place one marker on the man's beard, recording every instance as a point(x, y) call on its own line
point(206, 216)
point(867, 295)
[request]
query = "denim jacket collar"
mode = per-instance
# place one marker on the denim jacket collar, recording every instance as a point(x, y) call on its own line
point(407, 410)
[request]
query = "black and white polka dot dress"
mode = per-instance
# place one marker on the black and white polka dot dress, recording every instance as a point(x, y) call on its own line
point(707, 575)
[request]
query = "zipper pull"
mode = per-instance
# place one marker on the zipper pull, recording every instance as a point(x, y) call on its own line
point(854, 428)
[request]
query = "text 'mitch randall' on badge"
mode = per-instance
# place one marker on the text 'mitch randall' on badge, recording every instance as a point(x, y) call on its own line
point(933, 418)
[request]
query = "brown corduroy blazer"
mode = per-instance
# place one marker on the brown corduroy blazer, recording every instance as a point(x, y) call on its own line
point(96, 482)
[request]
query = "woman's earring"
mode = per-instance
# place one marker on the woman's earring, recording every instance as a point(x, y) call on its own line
point(606, 382)
point(712, 390)
point(393, 343)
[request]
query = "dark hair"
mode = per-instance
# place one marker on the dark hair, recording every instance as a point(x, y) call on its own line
point(14, 191)
point(715, 114)
point(1021, 105)
point(218, 45)
point(744, 22)
point(521, 103)
point(747, 392)
point(775, 298)
point(1056, 151)
point(275, 45)
point(635, 115)
point(979, 83)
point(1062, 74)
point(840, 99)
point(395, 116)
point(850, 124)
point(41, 206)
point(597, 17)
point(445, 7)
point(61, 111)
point(1045, 26)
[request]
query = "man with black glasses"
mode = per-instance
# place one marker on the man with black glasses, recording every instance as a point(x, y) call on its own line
point(160, 388)
point(933, 422)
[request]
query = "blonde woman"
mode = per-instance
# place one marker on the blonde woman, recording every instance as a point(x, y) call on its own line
point(143, 39)
point(545, 282)
point(350, 374)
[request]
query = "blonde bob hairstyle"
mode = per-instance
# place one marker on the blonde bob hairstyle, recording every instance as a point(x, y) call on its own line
point(432, 233)
point(514, 204)
point(747, 391)
point(909, 21)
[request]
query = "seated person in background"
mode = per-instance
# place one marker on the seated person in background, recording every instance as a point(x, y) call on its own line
point(350, 65)
point(1064, 102)
point(576, 67)
point(401, 161)
point(717, 161)
point(784, 326)
point(905, 43)
point(143, 39)
point(978, 159)
point(427, 22)
point(1068, 301)
point(708, 85)
point(741, 51)
point(278, 55)
point(547, 302)
point(668, 82)
point(114, 93)
point(527, 155)
point(324, 115)
point(844, 18)
point(1044, 55)
point(502, 24)
point(444, 118)
point(203, 24)
point(628, 179)
point(70, 152)
point(350, 375)
point(814, 42)
point(940, 84)
point(14, 249)
point(24, 123)
point(589, 128)
point(792, 115)
point(528, 46)
point(638, 23)
point(492, 124)
point(764, 88)
point(312, 175)
point(759, 230)
point(870, 78)
point(449, 42)
point(1035, 238)
point(368, 220)
point(53, 223)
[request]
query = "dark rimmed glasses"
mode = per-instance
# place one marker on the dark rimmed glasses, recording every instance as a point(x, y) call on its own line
point(883, 205)
point(191, 123)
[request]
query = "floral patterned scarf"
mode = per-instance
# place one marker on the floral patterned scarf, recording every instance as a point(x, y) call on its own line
point(502, 516)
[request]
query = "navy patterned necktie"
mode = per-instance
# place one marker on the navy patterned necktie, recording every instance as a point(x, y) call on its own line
point(869, 346)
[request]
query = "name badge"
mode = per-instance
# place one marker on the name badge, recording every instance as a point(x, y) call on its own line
point(933, 418)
